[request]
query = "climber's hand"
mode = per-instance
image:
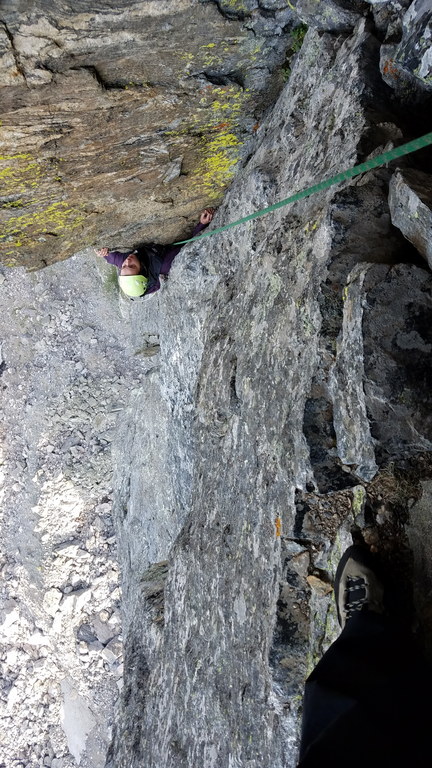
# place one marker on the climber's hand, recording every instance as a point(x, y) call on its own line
point(207, 215)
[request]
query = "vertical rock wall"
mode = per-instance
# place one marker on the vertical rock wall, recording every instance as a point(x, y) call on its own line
point(264, 427)
point(288, 402)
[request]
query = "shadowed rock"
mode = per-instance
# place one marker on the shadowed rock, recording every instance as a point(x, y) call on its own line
point(407, 65)
point(410, 201)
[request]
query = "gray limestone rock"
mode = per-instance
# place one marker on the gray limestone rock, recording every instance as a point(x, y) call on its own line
point(410, 201)
point(381, 377)
point(388, 18)
point(397, 359)
point(353, 436)
point(414, 54)
point(407, 65)
point(291, 373)
point(77, 719)
point(333, 16)
point(419, 532)
point(244, 332)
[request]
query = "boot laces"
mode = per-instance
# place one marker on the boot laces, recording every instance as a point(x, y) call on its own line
point(356, 596)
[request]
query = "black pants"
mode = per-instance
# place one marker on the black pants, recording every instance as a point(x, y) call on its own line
point(367, 702)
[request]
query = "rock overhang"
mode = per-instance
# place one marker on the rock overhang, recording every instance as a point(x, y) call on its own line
point(120, 125)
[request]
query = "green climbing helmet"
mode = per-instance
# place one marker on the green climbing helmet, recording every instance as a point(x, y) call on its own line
point(133, 285)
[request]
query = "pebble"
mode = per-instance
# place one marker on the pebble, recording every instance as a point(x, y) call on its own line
point(38, 665)
point(12, 657)
point(67, 550)
point(52, 600)
point(318, 585)
point(108, 656)
point(95, 647)
point(104, 632)
point(115, 647)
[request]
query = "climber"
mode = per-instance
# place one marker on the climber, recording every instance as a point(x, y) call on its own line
point(366, 703)
point(139, 270)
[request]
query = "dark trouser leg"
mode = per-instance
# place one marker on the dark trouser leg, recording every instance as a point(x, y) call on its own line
point(366, 702)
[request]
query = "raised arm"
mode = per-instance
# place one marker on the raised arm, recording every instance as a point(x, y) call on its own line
point(112, 257)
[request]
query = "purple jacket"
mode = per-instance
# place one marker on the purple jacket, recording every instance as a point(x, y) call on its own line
point(158, 265)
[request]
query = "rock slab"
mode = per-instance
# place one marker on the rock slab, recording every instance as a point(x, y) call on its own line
point(410, 201)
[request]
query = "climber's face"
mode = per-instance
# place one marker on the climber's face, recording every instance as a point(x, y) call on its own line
point(131, 265)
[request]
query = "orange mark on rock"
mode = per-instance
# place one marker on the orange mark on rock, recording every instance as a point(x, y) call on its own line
point(391, 69)
point(220, 126)
point(278, 524)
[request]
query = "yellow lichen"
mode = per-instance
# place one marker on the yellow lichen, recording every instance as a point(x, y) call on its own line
point(55, 218)
point(219, 158)
point(217, 123)
point(235, 5)
point(39, 214)
point(17, 172)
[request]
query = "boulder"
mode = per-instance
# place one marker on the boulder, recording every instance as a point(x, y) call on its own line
point(407, 66)
point(331, 15)
point(414, 53)
point(397, 360)
point(77, 719)
point(410, 201)
point(382, 375)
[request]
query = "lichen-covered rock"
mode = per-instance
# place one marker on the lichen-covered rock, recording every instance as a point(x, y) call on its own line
point(407, 66)
point(388, 18)
point(119, 125)
point(410, 201)
point(414, 53)
point(332, 15)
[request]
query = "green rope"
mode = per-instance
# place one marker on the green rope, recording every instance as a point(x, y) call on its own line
point(349, 173)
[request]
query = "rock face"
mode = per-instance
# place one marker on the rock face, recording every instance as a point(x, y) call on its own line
point(410, 201)
point(406, 65)
point(329, 16)
point(286, 386)
point(117, 126)
point(414, 52)
point(269, 398)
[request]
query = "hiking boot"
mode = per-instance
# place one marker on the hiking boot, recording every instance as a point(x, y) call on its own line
point(357, 586)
